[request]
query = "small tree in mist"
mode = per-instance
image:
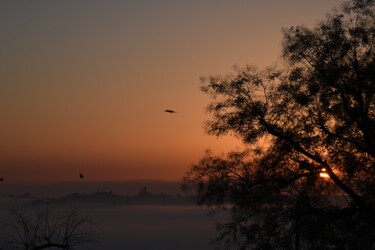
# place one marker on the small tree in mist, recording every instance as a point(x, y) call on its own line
point(44, 230)
point(312, 118)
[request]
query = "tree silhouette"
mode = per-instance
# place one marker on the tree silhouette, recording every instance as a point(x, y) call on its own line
point(45, 230)
point(313, 117)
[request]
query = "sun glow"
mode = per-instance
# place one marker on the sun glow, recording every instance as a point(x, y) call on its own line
point(323, 174)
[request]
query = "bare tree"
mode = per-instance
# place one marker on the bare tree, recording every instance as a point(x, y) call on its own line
point(42, 230)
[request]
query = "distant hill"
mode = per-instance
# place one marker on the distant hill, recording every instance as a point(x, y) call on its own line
point(84, 186)
point(109, 198)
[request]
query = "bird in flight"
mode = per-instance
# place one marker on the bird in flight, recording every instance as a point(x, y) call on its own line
point(170, 111)
point(1, 179)
point(81, 176)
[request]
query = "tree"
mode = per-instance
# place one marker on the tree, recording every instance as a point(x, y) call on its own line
point(45, 230)
point(312, 117)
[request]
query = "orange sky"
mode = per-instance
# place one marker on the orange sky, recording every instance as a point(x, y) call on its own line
point(84, 83)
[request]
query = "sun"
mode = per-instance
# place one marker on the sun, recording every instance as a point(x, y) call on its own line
point(323, 173)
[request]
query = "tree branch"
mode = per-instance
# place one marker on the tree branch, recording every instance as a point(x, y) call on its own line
point(276, 132)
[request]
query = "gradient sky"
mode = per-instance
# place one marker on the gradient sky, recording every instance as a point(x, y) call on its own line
point(84, 84)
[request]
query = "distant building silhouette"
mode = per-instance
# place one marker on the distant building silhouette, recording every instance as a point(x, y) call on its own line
point(144, 192)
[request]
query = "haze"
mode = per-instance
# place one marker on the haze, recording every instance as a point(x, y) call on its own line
point(84, 84)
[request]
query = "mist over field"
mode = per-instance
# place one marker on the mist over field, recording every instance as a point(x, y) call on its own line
point(154, 227)
point(135, 226)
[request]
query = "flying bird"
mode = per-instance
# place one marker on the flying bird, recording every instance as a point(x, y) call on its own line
point(170, 111)
point(81, 176)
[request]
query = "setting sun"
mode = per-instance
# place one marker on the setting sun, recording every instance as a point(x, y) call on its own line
point(323, 174)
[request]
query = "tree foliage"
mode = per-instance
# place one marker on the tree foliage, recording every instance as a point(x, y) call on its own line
point(315, 115)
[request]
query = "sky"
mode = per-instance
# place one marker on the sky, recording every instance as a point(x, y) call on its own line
point(84, 84)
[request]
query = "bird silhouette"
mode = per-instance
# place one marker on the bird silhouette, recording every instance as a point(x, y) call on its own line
point(1, 179)
point(170, 111)
point(81, 176)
